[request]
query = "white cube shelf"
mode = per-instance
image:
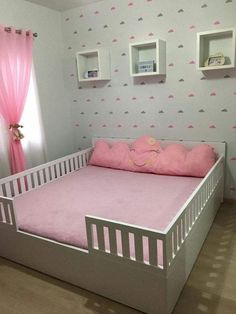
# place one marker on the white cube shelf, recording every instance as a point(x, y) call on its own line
point(216, 41)
point(149, 51)
point(93, 62)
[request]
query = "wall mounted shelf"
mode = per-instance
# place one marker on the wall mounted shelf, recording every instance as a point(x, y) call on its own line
point(93, 65)
point(143, 53)
point(212, 42)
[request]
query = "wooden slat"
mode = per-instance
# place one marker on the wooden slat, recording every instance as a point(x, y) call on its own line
point(194, 206)
point(89, 234)
point(100, 236)
point(179, 233)
point(67, 166)
point(12, 214)
point(87, 157)
point(168, 249)
point(83, 160)
point(47, 175)
point(52, 170)
point(1, 190)
point(152, 247)
point(57, 170)
point(63, 170)
point(175, 240)
point(76, 163)
point(2, 215)
point(72, 165)
point(138, 243)
point(80, 161)
point(112, 241)
point(15, 186)
point(125, 243)
point(35, 176)
point(8, 189)
point(29, 182)
point(7, 214)
point(41, 177)
point(183, 228)
point(22, 184)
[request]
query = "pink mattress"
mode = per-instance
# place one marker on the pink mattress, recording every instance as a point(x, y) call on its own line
point(57, 210)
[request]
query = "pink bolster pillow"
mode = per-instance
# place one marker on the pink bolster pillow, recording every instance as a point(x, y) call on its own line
point(146, 155)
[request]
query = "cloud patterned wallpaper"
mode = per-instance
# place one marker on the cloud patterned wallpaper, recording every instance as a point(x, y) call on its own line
point(186, 104)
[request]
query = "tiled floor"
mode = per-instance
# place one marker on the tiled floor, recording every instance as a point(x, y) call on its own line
point(211, 287)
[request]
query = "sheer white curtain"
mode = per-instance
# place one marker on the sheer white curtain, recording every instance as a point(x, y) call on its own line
point(33, 142)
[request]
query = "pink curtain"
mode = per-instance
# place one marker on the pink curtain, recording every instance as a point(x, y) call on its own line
point(15, 69)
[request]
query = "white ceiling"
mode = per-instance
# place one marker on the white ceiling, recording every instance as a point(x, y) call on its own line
point(62, 5)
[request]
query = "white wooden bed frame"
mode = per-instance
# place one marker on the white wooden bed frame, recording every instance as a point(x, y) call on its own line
point(150, 286)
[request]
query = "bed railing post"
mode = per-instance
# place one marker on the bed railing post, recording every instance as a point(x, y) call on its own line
point(89, 232)
point(221, 170)
point(1, 190)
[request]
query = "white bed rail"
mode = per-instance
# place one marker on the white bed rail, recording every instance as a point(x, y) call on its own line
point(7, 215)
point(134, 243)
point(180, 227)
point(123, 240)
point(30, 179)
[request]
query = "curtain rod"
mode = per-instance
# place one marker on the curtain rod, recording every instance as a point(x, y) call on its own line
point(18, 31)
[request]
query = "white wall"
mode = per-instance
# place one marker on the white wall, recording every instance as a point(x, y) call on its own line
point(186, 105)
point(47, 54)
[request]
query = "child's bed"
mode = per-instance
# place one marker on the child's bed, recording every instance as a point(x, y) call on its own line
point(141, 248)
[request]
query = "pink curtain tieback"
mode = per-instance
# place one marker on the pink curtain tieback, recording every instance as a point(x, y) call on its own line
point(17, 135)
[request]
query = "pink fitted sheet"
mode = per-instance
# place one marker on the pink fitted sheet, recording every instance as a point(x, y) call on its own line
point(57, 210)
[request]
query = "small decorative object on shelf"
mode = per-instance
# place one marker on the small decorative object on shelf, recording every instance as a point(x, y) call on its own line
point(216, 49)
point(91, 74)
point(145, 66)
point(215, 60)
point(147, 58)
point(93, 65)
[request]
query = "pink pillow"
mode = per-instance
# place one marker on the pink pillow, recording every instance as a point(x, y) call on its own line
point(114, 156)
point(146, 155)
point(176, 159)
